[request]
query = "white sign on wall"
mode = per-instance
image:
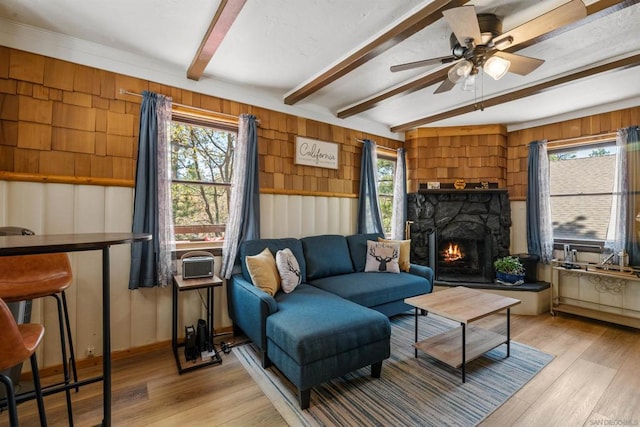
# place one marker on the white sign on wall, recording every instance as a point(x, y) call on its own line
point(311, 152)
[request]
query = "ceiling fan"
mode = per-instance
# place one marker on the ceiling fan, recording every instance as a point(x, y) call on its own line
point(478, 43)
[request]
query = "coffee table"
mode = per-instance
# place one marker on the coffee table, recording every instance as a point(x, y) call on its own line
point(460, 345)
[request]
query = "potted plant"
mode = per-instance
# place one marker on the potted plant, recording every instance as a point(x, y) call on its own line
point(509, 269)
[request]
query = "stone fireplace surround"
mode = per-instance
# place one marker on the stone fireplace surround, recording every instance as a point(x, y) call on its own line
point(481, 218)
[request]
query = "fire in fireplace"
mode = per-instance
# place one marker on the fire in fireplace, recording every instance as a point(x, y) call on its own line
point(452, 253)
point(462, 259)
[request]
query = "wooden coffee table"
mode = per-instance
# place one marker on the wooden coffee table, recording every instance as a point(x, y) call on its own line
point(463, 305)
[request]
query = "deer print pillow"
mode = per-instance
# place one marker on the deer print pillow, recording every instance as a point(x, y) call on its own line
point(382, 257)
point(289, 270)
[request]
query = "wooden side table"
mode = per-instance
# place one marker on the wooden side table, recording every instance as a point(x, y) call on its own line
point(180, 285)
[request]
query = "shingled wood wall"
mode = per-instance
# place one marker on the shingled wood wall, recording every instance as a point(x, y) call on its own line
point(65, 122)
point(471, 153)
point(593, 125)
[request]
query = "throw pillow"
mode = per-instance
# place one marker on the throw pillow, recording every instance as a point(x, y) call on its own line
point(289, 270)
point(263, 271)
point(382, 257)
point(405, 252)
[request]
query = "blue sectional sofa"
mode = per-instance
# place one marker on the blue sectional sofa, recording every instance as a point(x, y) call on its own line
point(335, 322)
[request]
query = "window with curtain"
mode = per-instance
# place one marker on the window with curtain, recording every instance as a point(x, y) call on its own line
point(581, 180)
point(386, 169)
point(202, 165)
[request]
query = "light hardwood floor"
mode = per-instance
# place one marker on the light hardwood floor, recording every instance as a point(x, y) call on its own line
point(593, 380)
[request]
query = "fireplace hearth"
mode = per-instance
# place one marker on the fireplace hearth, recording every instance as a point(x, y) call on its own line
point(459, 233)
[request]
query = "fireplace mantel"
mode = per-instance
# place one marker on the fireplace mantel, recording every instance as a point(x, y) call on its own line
point(463, 191)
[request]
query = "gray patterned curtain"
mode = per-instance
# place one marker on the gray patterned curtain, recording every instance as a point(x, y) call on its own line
point(244, 212)
point(369, 218)
point(632, 148)
point(399, 214)
point(151, 261)
point(538, 210)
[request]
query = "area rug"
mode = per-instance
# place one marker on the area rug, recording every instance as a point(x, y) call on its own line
point(411, 391)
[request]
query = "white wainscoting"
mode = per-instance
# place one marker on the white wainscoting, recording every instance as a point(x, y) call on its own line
point(300, 216)
point(144, 316)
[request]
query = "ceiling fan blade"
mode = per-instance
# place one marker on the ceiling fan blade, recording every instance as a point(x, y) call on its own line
point(556, 18)
point(445, 86)
point(520, 64)
point(464, 24)
point(424, 62)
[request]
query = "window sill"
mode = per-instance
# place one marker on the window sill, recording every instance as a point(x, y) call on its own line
point(215, 247)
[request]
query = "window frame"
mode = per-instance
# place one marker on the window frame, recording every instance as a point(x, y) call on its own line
point(210, 120)
point(583, 245)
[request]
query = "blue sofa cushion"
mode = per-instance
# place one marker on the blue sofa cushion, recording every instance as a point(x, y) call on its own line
point(326, 255)
point(358, 249)
point(372, 289)
point(312, 324)
point(254, 247)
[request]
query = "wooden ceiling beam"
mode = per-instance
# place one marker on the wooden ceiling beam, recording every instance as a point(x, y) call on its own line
point(416, 22)
point(629, 62)
point(594, 11)
point(404, 89)
point(225, 16)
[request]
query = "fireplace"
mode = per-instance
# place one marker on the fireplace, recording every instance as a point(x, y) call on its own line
point(459, 233)
point(463, 257)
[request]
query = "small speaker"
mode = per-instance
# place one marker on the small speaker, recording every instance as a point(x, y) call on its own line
point(202, 336)
point(197, 264)
point(190, 345)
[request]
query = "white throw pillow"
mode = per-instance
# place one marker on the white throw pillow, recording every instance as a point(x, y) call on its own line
point(382, 257)
point(289, 270)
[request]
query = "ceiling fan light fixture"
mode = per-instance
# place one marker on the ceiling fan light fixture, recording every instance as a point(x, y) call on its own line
point(496, 67)
point(459, 71)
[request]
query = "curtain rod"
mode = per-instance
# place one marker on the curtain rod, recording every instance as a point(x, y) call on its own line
point(381, 147)
point(568, 142)
point(231, 116)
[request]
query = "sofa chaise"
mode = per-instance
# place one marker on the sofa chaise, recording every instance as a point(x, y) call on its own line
point(335, 321)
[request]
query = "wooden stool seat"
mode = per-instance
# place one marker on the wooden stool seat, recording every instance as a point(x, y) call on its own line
point(18, 343)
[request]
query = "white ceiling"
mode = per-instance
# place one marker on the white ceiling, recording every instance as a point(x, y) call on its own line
point(275, 46)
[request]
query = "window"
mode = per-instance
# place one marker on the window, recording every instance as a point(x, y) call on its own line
point(202, 165)
point(581, 181)
point(386, 170)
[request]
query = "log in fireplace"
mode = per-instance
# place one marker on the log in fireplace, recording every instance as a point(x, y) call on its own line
point(459, 233)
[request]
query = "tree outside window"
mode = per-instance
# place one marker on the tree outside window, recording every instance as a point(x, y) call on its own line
point(202, 165)
point(386, 170)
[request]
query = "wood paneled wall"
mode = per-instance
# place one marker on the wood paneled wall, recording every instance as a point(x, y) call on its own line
point(518, 141)
point(63, 119)
point(472, 153)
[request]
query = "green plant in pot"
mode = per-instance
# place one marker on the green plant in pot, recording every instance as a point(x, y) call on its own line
point(510, 270)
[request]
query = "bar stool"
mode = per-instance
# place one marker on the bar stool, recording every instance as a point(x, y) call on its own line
point(17, 343)
point(26, 277)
